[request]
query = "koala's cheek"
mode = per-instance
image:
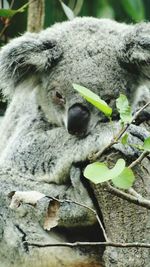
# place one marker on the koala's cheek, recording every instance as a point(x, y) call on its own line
point(78, 120)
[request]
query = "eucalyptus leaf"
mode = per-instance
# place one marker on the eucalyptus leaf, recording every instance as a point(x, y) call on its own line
point(125, 179)
point(98, 172)
point(106, 12)
point(78, 7)
point(146, 145)
point(124, 109)
point(93, 99)
point(69, 13)
point(134, 8)
point(71, 4)
point(7, 13)
point(124, 139)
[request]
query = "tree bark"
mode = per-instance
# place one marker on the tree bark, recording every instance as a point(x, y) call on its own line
point(36, 14)
point(126, 222)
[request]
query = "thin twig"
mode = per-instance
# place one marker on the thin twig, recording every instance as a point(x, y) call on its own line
point(6, 24)
point(10, 19)
point(3, 30)
point(139, 159)
point(133, 192)
point(99, 153)
point(140, 201)
point(131, 195)
point(76, 244)
point(83, 205)
point(133, 119)
point(133, 164)
point(119, 135)
point(140, 110)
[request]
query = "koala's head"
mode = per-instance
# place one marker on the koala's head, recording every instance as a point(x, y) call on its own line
point(105, 56)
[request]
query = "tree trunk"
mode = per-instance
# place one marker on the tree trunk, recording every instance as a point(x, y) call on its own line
point(36, 14)
point(126, 222)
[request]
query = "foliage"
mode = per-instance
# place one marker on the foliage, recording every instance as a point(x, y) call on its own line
point(73, 8)
point(98, 172)
point(123, 10)
point(9, 13)
point(134, 9)
point(124, 109)
point(120, 175)
point(60, 10)
point(93, 99)
point(146, 145)
point(68, 11)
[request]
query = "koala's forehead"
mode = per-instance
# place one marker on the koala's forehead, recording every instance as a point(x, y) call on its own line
point(89, 55)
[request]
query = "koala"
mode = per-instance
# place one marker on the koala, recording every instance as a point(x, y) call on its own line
point(49, 130)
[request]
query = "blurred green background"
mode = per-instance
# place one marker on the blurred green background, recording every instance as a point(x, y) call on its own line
point(120, 10)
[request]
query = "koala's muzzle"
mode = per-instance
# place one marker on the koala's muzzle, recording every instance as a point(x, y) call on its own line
point(78, 120)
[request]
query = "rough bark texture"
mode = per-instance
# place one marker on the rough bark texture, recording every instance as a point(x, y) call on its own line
point(36, 15)
point(126, 222)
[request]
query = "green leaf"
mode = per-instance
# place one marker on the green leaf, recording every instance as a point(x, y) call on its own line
point(7, 13)
point(69, 13)
point(146, 145)
point(78, 7)
point(124, 139)
point(124, 109)
point(106, 12)
point(134, 8)
point(125, 179)
point(71, 4)
point(93, 99)
point(98, 172)
point(22, 8)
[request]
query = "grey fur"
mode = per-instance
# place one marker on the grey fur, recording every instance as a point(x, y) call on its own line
point(106, 57)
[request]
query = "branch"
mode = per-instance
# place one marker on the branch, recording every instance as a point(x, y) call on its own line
point(131, 195)
point(36, 14)
point(4, 28)
point(140, 201)
point(119, 135)
point(7, 21)
point(32, 197)
point(76, 244)
point(139, 111)
point(139, 159)
point(133, 164)
point(83, 205)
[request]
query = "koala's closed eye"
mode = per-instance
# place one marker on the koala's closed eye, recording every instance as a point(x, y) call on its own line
point(58, 98)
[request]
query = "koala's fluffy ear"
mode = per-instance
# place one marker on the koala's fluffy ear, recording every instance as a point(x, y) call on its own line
point(134, 52)
point(24, 56)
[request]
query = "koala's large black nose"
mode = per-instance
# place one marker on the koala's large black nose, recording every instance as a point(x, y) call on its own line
point(78, 119)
